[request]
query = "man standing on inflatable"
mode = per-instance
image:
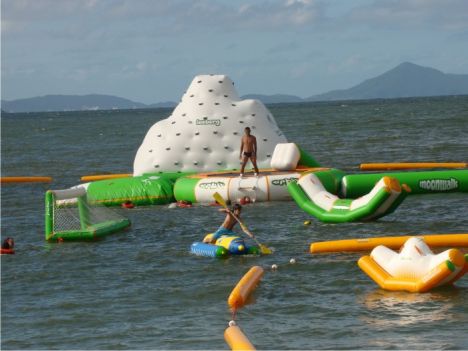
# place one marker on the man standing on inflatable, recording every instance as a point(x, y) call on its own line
point(248, 150)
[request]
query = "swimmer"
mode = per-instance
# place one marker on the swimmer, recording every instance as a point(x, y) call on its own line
point(8, 244)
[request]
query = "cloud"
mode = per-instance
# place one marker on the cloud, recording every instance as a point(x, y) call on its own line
point(449, 15)
point(175, 15)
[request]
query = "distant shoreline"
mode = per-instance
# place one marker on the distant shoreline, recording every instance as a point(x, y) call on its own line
point(326, 102)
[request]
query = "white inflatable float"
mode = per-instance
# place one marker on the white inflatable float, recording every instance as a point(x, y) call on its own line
point(415, 268)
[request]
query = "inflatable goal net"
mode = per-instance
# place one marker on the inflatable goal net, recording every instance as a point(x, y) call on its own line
point(69, 216)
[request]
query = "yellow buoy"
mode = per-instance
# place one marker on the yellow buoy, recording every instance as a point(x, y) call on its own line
point(90, 178)
point(392, 242)
point(236, 339)
point(244, 287)
point(25, 179)
point(411, 165)
point(307, 222)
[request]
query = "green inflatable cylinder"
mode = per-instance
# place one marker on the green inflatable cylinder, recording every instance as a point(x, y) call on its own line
point(149, 189)
point(84, 213)
point(425, 182)
point(49, 214)
point(184, 189)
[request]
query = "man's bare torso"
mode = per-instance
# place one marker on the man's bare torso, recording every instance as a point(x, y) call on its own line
point(248, 143)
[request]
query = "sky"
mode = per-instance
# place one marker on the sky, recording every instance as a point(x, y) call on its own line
point(150, 50)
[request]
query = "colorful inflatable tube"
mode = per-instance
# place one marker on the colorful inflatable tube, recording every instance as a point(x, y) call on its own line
point(310, 194)
point(236, 339)
point(270, 185)
point(208, 250)
point(223, 247)
point(415, 268)
point(245, 287)
point(392, 242)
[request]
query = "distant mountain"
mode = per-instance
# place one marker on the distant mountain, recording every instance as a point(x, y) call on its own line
point(405, 80)
point(69, 103)
point(274, 99)
point(76, 103)
point(165, 104)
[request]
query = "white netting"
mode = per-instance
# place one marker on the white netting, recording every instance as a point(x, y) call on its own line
point(70, 215)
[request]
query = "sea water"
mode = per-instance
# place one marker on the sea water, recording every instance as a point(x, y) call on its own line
point(142, 289)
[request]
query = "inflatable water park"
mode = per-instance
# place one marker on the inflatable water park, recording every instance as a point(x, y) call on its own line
point(194, 153)
point(192, 158)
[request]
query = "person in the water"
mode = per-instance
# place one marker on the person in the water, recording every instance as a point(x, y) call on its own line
point(229, 222)
point(248, 150)
point(8, 244)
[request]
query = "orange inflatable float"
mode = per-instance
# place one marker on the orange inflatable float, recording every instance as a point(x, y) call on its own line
point(245, 287)
point(7, 251)
point(236, 339)
point(415, 268)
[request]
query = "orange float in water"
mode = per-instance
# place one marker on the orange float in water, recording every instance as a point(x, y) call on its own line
point(411, 165)
point(236, 339)
point(7, 251)
point(25, 179)
point(245, 287)
point(128, 204)
point(392, 242)
point(92, 178)
point(184, 204)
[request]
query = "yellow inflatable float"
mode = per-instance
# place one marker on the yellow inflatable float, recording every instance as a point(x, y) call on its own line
point(245, 287)
point(392, 242)
point(92, 178)
point(415, 269)
point(411, 165)
point(25, 180)
point(236, 339)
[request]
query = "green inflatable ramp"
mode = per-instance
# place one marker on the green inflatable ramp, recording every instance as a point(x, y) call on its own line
point(311, 196)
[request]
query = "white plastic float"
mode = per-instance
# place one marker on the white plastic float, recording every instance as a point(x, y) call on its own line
point(415, 269)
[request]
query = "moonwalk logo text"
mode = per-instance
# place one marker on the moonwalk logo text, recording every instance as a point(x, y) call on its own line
point(439, 184)
point(283, 182)
point(208, 122)
point(212, 185)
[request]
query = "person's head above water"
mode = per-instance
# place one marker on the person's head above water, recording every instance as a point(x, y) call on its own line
point(247, 130)
point(236, 209)
point(8, 243)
